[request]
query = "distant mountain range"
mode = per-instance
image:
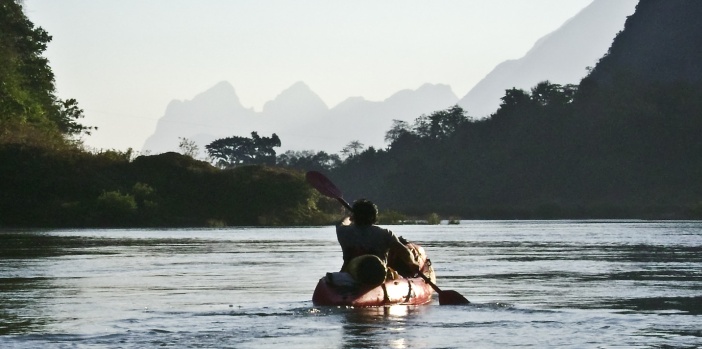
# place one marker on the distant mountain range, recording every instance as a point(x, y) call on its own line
point(304, 122)
point(298, 116)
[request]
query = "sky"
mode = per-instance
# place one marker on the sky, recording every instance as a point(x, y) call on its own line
point(125, 60)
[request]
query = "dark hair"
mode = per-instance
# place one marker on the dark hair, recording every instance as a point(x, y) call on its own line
point(364, 212)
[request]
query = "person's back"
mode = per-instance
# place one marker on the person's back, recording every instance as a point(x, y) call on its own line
point(366, 246)
point(358, 240)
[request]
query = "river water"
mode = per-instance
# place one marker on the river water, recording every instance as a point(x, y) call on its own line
point(555, 284)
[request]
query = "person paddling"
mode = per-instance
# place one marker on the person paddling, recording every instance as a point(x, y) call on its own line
point(366, 246)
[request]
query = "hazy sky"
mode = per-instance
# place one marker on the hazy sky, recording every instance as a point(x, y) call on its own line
point(125, 60)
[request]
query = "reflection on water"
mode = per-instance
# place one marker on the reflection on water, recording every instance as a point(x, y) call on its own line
point(381, 327)
point(18, 310)
point(568, 284)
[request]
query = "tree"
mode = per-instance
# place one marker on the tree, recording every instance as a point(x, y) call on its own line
point(440, 124)
point(27, 91)
point(543, 95)
point(398, 128)
point(235, 150)
point(263, 148)
point(548, 94)
point(352, 149)
point(188, 147)
point(308, 160)
point(515, 98)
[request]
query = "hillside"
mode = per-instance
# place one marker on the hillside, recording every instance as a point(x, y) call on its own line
point(662, 43)
point(561, 57)
point(625, 144)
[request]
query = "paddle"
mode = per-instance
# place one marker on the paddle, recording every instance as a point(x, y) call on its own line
point(327, 188)
point(446, 297)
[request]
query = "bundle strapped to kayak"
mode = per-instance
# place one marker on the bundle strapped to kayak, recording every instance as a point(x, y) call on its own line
point(340, 288)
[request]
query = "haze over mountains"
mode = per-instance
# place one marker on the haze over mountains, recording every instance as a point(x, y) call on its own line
point(304, 122)
point(298, 116)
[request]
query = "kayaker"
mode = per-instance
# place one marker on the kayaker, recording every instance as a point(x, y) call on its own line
point(365, 246)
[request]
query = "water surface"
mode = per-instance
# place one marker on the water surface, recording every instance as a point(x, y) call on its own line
point(559, 284)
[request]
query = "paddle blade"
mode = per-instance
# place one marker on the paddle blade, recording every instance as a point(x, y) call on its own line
point(450, 297)
point(323, 184)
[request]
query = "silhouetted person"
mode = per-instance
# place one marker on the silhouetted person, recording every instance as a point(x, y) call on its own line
point(366, 246)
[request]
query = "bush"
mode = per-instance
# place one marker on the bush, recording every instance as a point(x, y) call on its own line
point(434, 219)
point(115, 208)
point(391, 217)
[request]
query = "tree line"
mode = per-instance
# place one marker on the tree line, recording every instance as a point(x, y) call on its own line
point(631, 151)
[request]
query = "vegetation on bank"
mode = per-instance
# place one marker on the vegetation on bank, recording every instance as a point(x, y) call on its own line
point(72, 188)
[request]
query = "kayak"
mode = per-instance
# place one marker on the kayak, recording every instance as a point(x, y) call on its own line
point(405, 291)
point(339, 288)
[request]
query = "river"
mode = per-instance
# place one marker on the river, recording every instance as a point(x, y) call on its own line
point(546, 284)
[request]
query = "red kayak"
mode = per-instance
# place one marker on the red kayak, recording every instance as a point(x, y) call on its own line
point(339, 289)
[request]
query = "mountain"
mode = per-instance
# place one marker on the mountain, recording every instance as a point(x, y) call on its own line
point(294, 115)
point(661, 44)
point(212, 114)
point(297, 115)
point(561, 57)
point(296, 100)
point(367, 122)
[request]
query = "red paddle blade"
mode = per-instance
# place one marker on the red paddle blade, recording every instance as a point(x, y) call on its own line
point(323, 184)
point(449, 297)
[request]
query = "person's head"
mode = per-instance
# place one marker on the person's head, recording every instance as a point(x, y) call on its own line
point(364, 212)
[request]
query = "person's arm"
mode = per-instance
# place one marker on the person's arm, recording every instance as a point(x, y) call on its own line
point(405, 255)
point(344, 221)
point(342, 225)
